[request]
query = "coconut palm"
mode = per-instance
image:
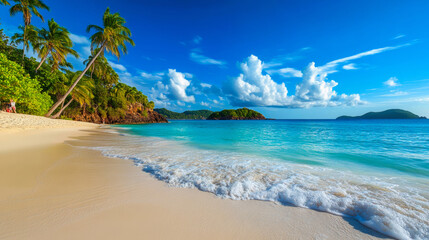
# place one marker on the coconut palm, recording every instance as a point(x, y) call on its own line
point(28, 8)
point(26, 37)
point(4, 2)
point(102, 70)
point(54, 41)
point(112, 37)
point(82, 93)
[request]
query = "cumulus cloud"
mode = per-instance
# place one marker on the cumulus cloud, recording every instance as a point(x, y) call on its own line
point(350, 66)
point(392, 82)
point(173, 88)
point(177, 86)
point(254, 88)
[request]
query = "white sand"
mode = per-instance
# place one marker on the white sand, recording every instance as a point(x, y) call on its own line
point(12, 122)
point(53, 190)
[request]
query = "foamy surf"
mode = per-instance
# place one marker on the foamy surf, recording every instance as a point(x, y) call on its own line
point(379, 202)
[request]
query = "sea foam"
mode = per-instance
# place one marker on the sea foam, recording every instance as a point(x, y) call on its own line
point(378, 202)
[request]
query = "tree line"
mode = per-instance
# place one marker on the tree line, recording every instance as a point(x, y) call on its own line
point(50, 87)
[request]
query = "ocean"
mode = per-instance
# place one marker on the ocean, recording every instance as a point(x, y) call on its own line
point(376, 171)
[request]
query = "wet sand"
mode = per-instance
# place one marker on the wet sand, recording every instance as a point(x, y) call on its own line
point(52, 188)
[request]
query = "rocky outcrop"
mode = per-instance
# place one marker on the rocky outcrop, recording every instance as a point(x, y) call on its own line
point(135, 114)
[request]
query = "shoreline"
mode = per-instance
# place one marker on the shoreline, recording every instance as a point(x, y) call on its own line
point(57, 189)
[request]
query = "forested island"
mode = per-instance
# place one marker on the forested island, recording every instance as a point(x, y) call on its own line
point(49, 86)
point(186, 115)
point(238, 114)
point(388, 114)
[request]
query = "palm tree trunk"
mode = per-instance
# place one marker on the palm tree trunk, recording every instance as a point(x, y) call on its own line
point(42, 61)
point(23, 43)
point(62, 109)
point(74, 84)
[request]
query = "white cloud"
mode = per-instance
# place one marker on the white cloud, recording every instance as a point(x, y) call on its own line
point(395, 94)
point(79, 39)
point(178, 85)
point(205, 85)
point(399, 36)
point(286, 72)
point(392, 82)
point(152, 76)
point(197, 39)
point(205, 104)
point(350, 66)
point(117, 66)
point(253, 88)
point(174, 88)
point(201, 59)
point(367, 53)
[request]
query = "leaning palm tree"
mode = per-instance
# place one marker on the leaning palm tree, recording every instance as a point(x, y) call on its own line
point(27, 7)
point(112, 37)
point(26, 37)
point(54, 41)
point(82, 93)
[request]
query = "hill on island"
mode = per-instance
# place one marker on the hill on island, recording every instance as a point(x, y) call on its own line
point(191, 115)
point(388, 114)
point(238, 114)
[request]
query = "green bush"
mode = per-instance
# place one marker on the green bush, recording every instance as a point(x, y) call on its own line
point(26, 91)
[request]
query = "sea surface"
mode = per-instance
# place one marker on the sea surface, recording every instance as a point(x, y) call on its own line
point(376, 171)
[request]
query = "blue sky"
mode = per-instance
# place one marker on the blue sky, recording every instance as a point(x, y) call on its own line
point(367, 55)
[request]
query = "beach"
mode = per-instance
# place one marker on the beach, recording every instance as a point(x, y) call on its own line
point(54, 186)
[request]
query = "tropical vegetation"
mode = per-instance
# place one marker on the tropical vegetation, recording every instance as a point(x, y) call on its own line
point(192, 115)
point(238, 114)
point(96, 95)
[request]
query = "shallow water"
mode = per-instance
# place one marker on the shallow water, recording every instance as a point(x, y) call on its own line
point(376, 171)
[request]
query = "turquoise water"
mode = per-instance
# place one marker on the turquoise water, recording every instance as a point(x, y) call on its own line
point(376, 171)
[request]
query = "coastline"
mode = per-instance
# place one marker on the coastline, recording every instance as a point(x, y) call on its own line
point(55, 189)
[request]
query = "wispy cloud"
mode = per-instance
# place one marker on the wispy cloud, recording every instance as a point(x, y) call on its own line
point(152, 76)
point(395, 94)
point(399, 36)
point(201, 59)
point(117, 66)
point(286, 72)
point(350, 66)
point(79, 39)
point(197, 39)
point(392, 82)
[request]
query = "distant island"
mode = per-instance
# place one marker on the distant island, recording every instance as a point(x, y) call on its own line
point(388, 114)
point(187, 115)
point(239, 114)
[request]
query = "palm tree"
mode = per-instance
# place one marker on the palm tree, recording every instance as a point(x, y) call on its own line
point(82, 93)
point(27, 7)
point(26, 37)
point(4, 2)
point(112, 37)
point(54, 41)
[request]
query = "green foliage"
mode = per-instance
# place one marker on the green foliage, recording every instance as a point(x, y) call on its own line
point(194, 115)
point(16, 84)
point(239, 114)
point(32, 83)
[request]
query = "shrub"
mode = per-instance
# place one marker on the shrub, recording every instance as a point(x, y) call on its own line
point(16, 84)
